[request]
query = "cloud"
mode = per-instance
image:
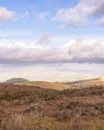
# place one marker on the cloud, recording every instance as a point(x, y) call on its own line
point(90, 52)
point(75, 16)
point(6, 15)
point(44, 39)
point(75, 51)
point(56, 72)
point(43, 15)
point(80, 14)
point(98, 9)
point(101, 21)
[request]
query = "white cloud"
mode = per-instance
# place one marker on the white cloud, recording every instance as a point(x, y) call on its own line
point(14, 44)
point(83, 51)
point(101, 21)
point(6, 15)
point(79, 51)
point(43, 15)
point(80, 14)
point(73, 16)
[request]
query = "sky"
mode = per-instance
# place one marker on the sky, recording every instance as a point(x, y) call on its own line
point(51, 40)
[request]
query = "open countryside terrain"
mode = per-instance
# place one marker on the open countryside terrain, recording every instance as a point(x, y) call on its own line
point(53, 53)
point(45, 84)
point(87, 83)
point(65, 85)
point(24, 107)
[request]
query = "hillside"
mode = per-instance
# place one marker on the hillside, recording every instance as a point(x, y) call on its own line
point(35, 108)
point(16, 80)
point(86, 83)
point(44, 84)
point(66, 85)
point(101, 78)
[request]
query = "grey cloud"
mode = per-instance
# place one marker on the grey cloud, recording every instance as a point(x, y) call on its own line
point(99, 9)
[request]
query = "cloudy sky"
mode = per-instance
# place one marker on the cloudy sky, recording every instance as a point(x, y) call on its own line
point(57, 40)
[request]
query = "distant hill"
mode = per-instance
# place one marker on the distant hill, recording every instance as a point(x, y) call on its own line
point(87, 83)
point(66, 85)
point(16, 80)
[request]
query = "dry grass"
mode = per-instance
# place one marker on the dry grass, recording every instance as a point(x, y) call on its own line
point(86, 83)
point(49, 85)
point(101, 78)
point(35, 108)
point(29, 122)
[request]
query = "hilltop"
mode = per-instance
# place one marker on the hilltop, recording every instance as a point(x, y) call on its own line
point(16, 80)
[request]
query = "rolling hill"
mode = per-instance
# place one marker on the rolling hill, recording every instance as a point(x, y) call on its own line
point(86, 83)
point(66, 85)
point(44, 84)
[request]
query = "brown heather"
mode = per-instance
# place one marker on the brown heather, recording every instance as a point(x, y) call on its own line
point(35, 108)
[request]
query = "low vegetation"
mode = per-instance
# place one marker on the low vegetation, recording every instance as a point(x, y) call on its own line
point(35, 108)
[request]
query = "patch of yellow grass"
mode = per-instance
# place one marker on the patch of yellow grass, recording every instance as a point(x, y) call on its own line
point(101, 78)
point(44, 84)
